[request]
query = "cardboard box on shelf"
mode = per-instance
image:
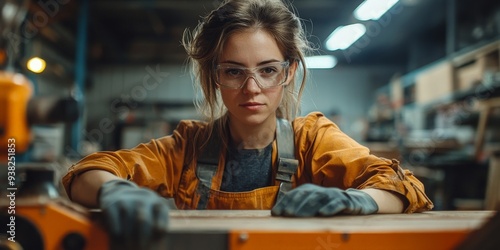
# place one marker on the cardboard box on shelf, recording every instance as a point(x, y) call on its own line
point(434, 83)
point(471, 74)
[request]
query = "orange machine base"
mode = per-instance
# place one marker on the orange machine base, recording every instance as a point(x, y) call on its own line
point(59, 221)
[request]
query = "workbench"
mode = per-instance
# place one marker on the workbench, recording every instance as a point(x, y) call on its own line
point(50, 224)
point(257, 229)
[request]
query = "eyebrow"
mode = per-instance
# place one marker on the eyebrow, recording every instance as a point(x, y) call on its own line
point(260, 63)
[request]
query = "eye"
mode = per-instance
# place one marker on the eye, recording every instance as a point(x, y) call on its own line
point(233, 72)
point(268, 70)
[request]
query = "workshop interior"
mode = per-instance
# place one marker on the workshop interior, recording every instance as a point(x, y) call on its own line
point(417, 81)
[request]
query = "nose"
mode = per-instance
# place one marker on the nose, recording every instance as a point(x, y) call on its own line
point(251, 85)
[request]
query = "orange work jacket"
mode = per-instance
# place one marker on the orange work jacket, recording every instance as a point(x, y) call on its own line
point(326, 156)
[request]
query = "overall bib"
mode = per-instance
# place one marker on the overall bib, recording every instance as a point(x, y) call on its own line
point(209, 175)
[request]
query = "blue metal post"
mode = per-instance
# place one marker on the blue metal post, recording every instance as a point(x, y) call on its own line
point(80, 72)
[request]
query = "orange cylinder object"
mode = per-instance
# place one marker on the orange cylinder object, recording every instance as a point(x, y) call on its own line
point(15, 92)
point(56, 219)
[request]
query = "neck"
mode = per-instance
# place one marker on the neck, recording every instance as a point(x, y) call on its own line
point(252, 136)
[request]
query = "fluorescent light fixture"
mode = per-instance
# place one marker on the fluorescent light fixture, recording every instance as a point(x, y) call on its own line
point(344, 36)
point(321, 62)
point(373, 9)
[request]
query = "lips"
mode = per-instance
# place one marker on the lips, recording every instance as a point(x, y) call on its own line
point(252, 105)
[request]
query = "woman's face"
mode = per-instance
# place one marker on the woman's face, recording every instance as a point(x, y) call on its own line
point(251, 105)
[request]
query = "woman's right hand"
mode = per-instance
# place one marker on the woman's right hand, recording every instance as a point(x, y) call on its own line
point(135, 218)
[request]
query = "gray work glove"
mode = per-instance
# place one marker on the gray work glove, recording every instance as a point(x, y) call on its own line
point(135, 218)
point(312, 200)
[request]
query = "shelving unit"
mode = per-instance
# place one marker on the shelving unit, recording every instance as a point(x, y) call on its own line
point(470, 74)
point(462, 82)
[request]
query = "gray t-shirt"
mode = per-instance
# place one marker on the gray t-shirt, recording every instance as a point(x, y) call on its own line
point(247, 169)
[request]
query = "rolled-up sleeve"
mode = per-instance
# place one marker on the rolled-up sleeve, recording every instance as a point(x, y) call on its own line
point(157, 164)
point(329, 157)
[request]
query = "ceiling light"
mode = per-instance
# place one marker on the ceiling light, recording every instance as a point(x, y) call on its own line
point(321, 62)
point(373, 9)
point(9, 11)
point(343, 36)
point(36, 64)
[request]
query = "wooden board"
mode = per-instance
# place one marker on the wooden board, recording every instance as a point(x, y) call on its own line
point(244, 230)
point(262, 220)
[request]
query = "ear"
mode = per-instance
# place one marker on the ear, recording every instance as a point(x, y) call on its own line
point(291, 72)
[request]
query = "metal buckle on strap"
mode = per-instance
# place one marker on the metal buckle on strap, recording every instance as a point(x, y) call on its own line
point(286, 169)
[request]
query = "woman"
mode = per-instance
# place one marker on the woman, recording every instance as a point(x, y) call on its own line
point(246, 56)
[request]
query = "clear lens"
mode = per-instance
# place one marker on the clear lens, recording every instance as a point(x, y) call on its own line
point(266, 76)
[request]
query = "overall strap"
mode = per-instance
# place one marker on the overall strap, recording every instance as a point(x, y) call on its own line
point(206, 168)
point(287, 164)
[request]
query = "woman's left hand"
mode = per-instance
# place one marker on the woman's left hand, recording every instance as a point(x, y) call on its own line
point(313, 200)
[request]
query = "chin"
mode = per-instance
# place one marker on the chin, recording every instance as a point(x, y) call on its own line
point(253, 119)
